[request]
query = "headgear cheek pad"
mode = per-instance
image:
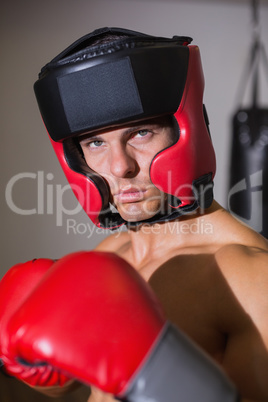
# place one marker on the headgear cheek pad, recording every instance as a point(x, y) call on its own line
point(181, 169)
point(136, 77)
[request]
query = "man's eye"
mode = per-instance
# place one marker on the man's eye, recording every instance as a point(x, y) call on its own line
point(142, 133)
point(95, 144)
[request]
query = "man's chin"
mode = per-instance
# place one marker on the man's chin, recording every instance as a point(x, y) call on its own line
point(137, 217)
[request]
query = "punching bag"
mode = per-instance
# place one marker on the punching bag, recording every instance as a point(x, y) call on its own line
point(248, 184)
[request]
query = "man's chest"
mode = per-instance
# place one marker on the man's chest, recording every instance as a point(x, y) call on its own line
point(196, 298)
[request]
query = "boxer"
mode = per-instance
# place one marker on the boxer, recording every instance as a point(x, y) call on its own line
point(125, 115)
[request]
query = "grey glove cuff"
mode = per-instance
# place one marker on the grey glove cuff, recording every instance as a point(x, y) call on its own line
point(179, 371)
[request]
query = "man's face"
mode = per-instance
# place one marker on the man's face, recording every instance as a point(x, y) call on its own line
point(123, 157)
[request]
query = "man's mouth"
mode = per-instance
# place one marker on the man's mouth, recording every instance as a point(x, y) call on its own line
point(130, 195)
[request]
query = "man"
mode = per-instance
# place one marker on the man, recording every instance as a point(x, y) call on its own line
point(126, 120)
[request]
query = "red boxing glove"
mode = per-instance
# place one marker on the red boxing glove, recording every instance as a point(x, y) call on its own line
point(16, 285)
point(93, 317)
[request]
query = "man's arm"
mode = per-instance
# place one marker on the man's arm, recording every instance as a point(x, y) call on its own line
point(245, 360)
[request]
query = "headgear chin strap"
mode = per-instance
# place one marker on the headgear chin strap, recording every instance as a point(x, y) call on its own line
point(87, 88)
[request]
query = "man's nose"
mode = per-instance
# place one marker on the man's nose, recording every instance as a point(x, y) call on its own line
point(123, 163)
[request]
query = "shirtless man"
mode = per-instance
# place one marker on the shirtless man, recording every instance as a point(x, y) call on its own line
point(208, 270)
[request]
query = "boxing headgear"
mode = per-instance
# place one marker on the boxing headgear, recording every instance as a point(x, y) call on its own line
point(87, 88)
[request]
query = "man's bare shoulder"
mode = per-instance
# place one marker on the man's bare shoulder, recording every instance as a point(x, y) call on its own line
point(242, 258)
point(239, 249)
point(114, 242)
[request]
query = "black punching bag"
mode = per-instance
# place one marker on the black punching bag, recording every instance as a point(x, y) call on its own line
point(248, 184)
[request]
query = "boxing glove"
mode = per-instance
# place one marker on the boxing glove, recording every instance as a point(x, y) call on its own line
point(16, 285)
point(97, 320)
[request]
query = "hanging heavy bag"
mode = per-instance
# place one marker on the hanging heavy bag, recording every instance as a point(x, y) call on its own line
point(248, 184)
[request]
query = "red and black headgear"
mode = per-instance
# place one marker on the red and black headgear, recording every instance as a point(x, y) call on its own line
point(91, 87)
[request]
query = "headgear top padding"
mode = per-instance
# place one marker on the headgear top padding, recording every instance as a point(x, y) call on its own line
point(91, 87)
